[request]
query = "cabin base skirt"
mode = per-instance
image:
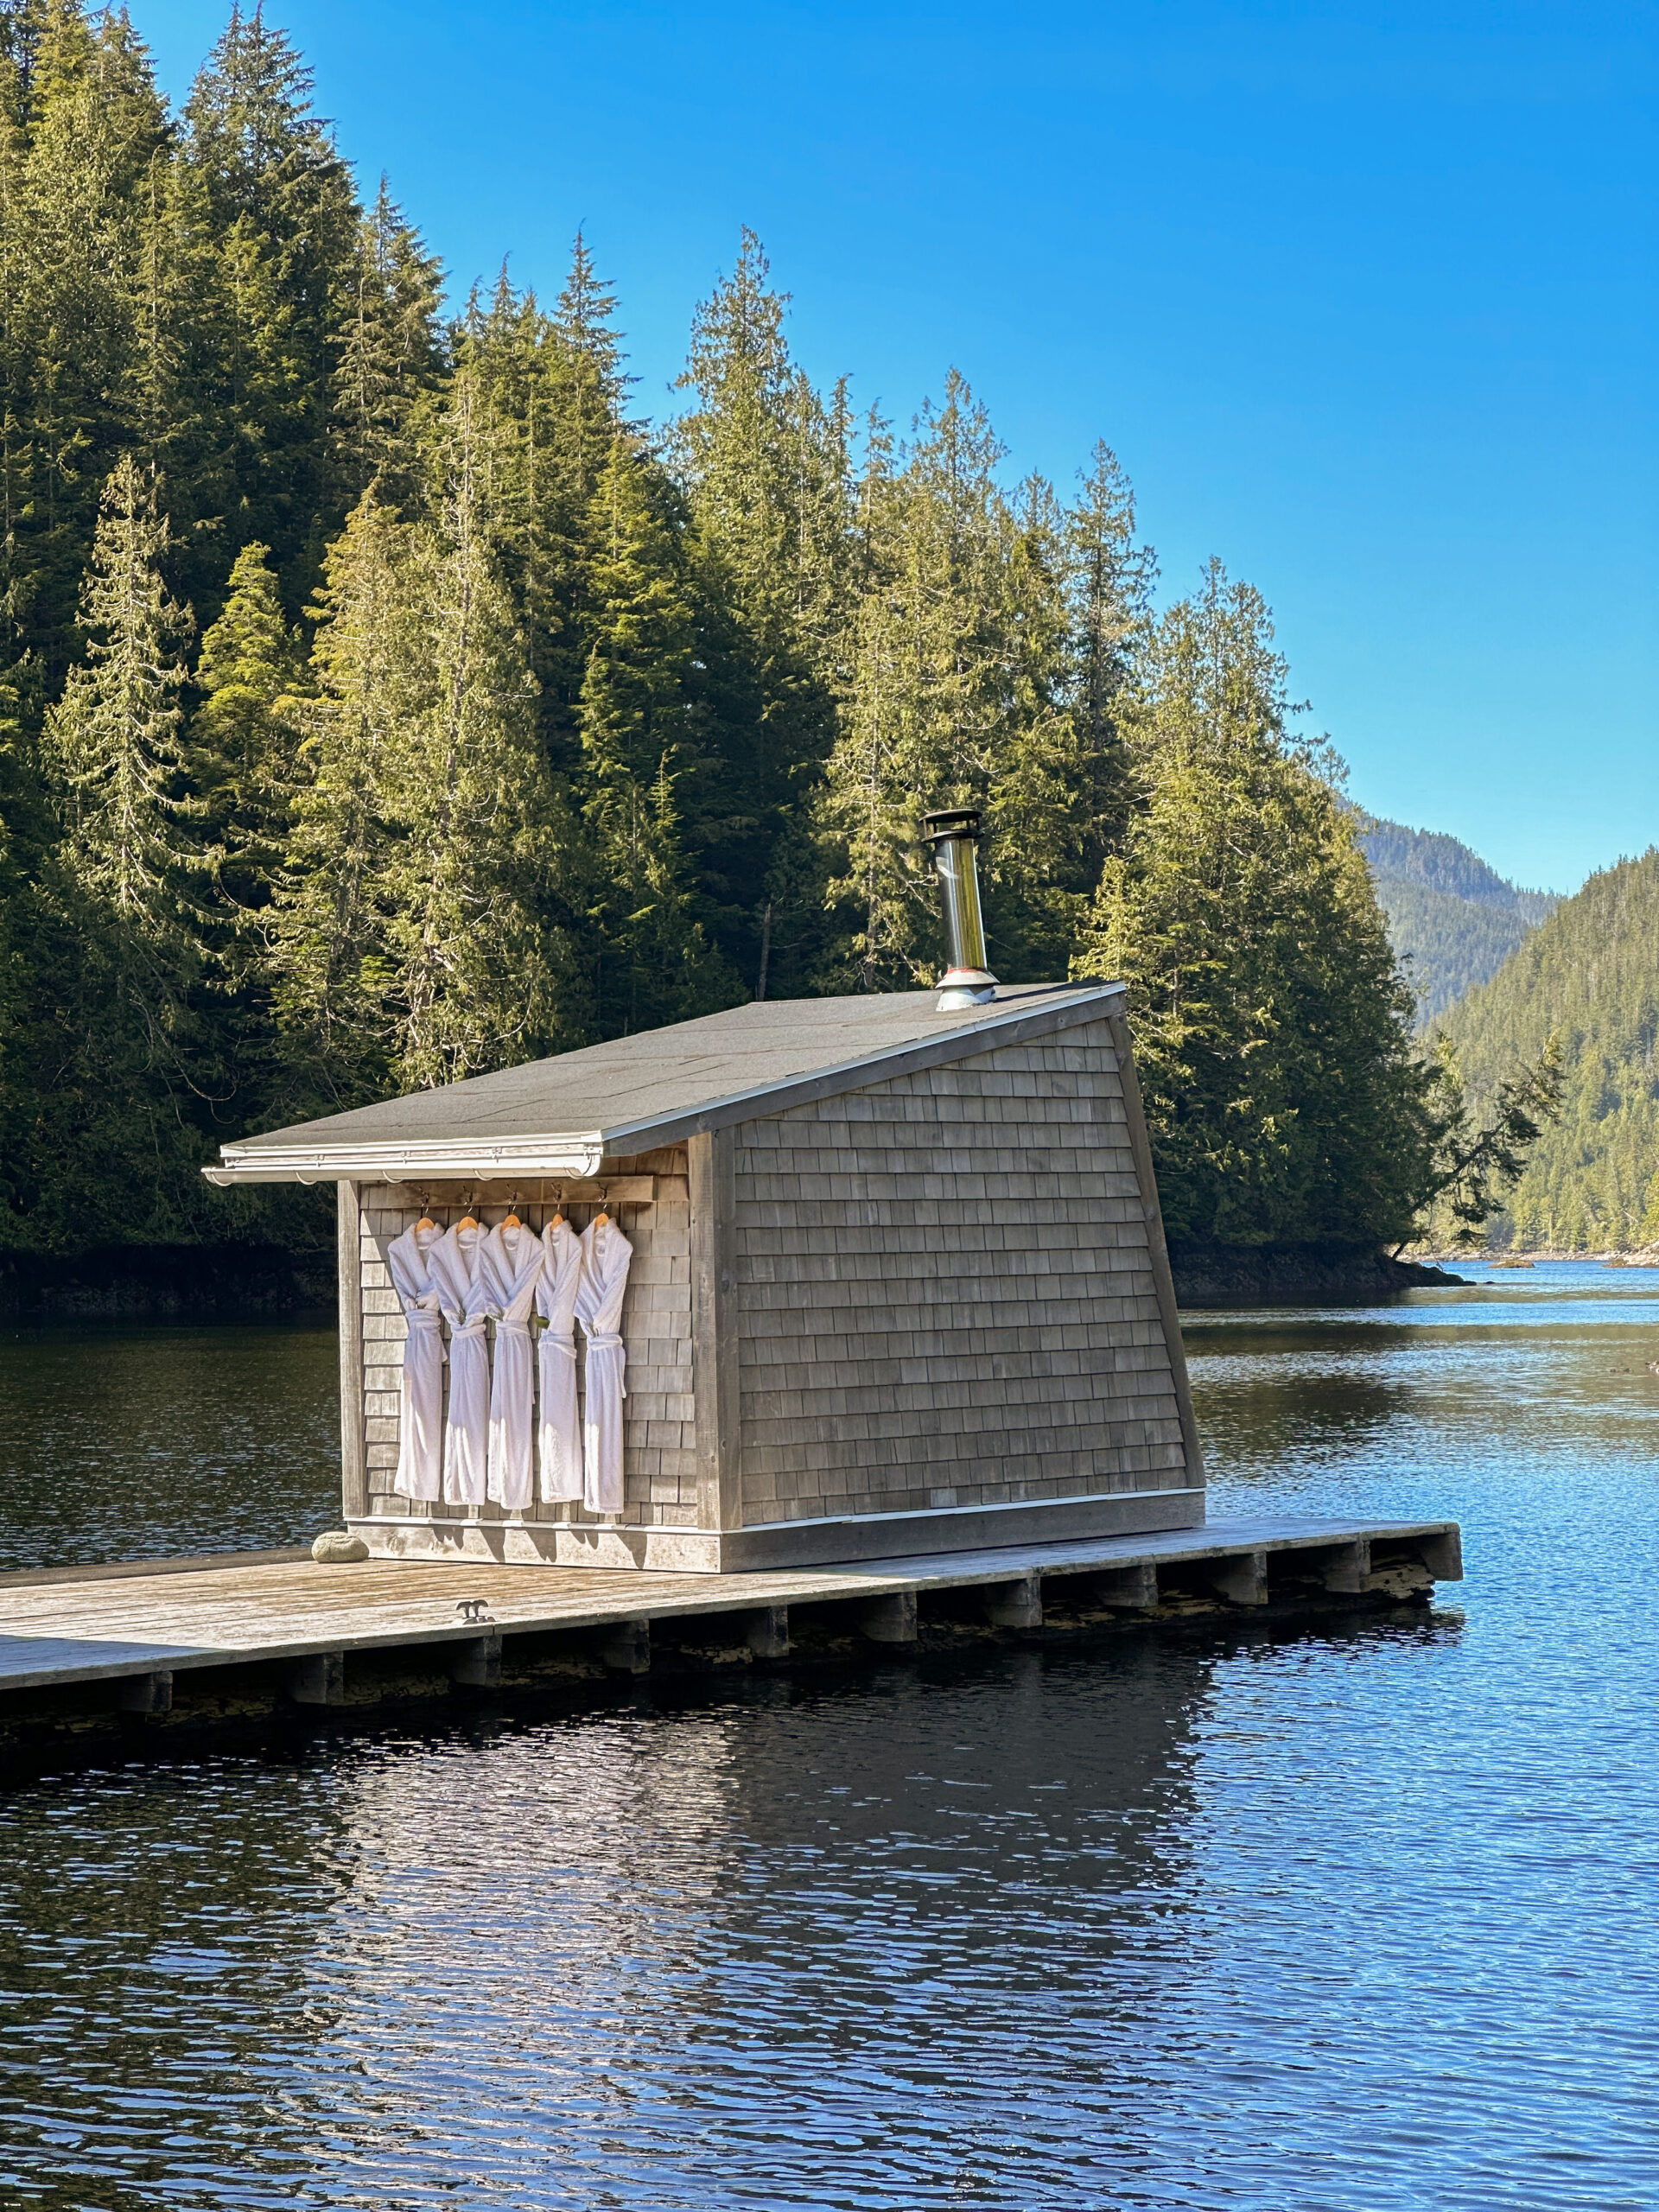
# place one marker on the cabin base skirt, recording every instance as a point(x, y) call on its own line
point(780, 1543)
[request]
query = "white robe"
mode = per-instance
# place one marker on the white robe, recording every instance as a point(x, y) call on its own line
point(420, 1411)
point(512, 1262)
point(606, 1254)
point(464, 1288)
point(561, 1423)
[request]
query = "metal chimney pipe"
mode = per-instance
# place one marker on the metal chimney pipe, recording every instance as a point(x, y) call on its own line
point(967, 981)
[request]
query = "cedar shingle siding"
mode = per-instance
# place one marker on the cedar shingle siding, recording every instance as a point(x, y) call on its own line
point(946, 1294)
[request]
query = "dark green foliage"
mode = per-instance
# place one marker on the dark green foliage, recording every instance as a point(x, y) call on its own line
point(1272, 1035)
point(1478, 1167)
point(379, 702)
point(1453, 921)
point(1586, 984)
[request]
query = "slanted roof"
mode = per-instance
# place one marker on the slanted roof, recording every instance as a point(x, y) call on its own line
point(561, 1116)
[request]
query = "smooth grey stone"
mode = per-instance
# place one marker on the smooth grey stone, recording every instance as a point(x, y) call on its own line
point(338, 1548)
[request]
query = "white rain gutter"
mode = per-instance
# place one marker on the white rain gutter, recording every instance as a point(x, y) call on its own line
point(452, 1158)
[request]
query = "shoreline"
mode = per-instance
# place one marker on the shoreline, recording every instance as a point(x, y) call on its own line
point(226, 1283)
point(1297, 1274)
point(1641, 1255)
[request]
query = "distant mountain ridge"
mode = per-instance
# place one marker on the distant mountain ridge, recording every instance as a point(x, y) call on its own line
point(1453, 921)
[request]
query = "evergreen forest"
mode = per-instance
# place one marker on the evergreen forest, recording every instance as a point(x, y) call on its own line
point(1453, 921)
point(1587, 981)
point(384, 698)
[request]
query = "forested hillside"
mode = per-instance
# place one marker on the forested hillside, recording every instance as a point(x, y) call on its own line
point(384, 700)
point(1588, 977)
point(1453, 921)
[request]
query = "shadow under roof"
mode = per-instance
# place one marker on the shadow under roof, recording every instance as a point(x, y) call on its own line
point(559, 1117)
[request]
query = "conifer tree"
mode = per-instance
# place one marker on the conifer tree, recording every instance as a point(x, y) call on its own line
point(244, 735)
point(765, 464)
point(76, 151)
point(115, 737)
point(548, 394)
point(123, 946)
point(391, 354)
point(1039, 771)
point(330, 960)
point(930, 715)
point(654, 963)
point(1272, 1034)
point(866, 805)
point(271, 222)
point(1109, 581)
point(474, 976)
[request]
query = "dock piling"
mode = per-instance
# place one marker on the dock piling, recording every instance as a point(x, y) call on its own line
point(890, 1620)
point(1345, 1568)
point(1242, 1581)
point(626, 1647)
point(767, 1630)
point(318, 1679)
point(149, 1695)
point(1015, 1604)
point(476, 1664)
point(1441, 1553)
point(1125, 1589)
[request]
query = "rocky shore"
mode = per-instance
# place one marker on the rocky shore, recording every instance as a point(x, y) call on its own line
point(1296, 1274)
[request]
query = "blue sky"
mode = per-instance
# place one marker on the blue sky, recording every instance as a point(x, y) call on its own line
point(1363, 298)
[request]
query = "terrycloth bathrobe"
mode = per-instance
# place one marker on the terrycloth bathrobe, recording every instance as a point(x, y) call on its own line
point(512, 1262)
point(457, 1267)
point(420, 1411)
point(560, 1424)
point(606, 1254)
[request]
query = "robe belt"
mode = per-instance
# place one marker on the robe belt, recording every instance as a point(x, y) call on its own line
point(607, 1340)
point(506, 1328)
point(474, 1326)
point(566, 1344)
point(423, 1322)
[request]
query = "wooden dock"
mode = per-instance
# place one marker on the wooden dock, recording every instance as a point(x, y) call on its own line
point(136, 1630)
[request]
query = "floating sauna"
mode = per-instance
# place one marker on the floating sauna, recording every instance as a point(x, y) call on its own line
point(898, 1282)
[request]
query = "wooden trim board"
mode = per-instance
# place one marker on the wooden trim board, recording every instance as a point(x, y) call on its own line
point(612, 1545)
point(711, 1168)
point(353, 1434)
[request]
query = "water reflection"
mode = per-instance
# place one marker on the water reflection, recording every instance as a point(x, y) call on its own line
point(125, 1442)
point(1354, 1920)
point(853, 1945)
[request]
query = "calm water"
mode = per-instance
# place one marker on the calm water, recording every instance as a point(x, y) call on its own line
point(130, 1443)
point(1349, 1921)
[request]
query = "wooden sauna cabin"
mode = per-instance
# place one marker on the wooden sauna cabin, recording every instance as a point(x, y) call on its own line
point(899, 1286)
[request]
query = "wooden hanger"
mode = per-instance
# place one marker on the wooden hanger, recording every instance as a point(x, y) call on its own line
point(467, 1221)
point(426, 1221)
point(512, 1221)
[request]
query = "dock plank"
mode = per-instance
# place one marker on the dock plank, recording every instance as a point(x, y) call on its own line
point(133, 1623)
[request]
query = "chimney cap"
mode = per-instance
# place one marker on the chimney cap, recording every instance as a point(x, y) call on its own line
point(951, 822)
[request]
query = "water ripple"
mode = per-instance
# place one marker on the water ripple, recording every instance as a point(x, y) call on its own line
point(1347, 1923)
